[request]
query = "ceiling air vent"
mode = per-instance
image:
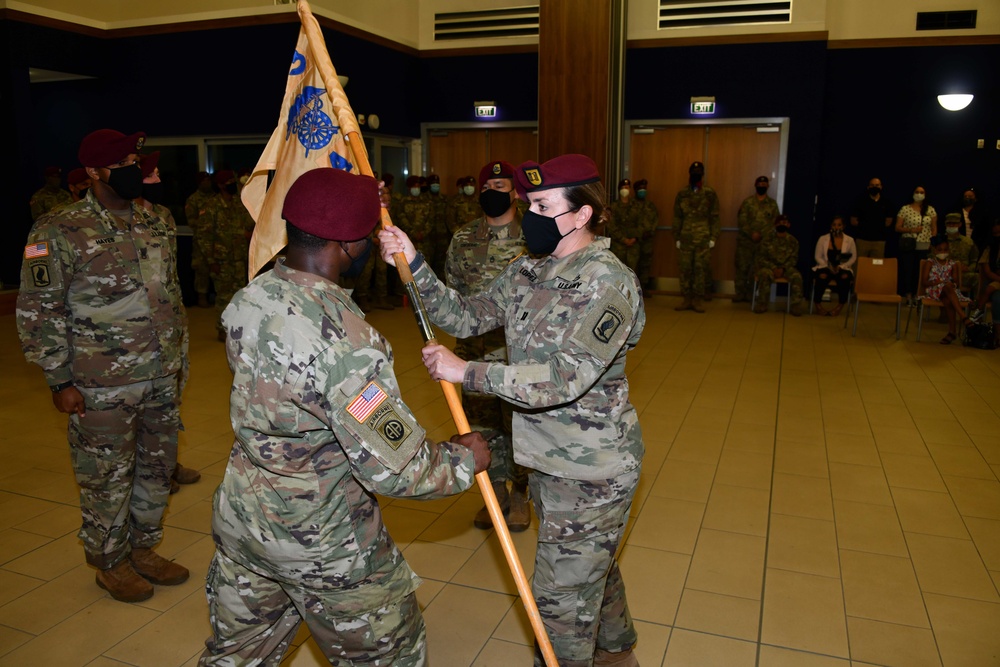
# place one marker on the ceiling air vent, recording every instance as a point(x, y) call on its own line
point(702, 13)
point(960, 20)
point(487, 23)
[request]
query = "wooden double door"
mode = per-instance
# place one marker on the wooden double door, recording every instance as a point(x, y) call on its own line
point(454, 153)
point(734, 156)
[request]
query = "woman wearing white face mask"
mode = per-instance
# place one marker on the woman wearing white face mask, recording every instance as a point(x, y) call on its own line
point(915, 223)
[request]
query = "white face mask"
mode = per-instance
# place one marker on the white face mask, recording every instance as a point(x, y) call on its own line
point(942, 256)
point(952, 231)
point(623, 193)
point(415, 192)
point(918, 196)
point(468, 190)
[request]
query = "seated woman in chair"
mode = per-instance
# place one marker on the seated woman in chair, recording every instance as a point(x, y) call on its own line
point(835, 257)
point(941, 278)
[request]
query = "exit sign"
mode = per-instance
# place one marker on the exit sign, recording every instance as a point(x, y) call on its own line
point(486, 109)
point(703, 108)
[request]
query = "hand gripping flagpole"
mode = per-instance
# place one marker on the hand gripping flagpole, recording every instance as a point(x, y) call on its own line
point(335, 93)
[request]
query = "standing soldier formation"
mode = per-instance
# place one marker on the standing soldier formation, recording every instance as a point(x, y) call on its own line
point(99, 310)
point(696, 229)
point(204, 236)
point(464, 207)
point(625, 227)
point(231, 227)
point(479, 252)
point(649, 219)
point(756, 223)
point(51, 195)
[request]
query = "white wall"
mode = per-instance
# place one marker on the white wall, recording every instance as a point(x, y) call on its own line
point(883, 19)
point(807, 16)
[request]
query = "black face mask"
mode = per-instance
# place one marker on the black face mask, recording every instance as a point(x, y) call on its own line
point(494, 202)
point(152, 192)
point(231, 188)
point(126, 181)
point(968, 201)
point(541, 233)
point(874, 191)
point(761, 189)
point(358, 263)
point(781, 229)
point(695, 178)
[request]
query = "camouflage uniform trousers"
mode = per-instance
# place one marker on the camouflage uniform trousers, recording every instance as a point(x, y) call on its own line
point(489, 414)
point(199, 265)
point(766, 276)
point(123, 452)
point(645, 260)
point(228, 281)
point(629, 255)
point(746, 260)
point(577, 583)
point(260, 617)
point(694, 264)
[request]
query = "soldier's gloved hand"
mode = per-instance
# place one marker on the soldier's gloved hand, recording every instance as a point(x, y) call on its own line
point(69, 401)
point(480, 448)
point(393, 240)
point(678, 245)
point(711, 244)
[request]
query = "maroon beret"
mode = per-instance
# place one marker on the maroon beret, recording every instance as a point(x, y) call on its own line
point(224, 176)
point(412, 181)
point(496, 169)
point(640, 184)
point(333, 204)
point(762, 179)
point(77, 176)
point(560, 172)
point(106, 147)
point(51, 171)
point(696, 166)
point(465, 180)
point(624, 181)
point(782, 220)
point(433, 178)
point(148, 163)
point(388, 179)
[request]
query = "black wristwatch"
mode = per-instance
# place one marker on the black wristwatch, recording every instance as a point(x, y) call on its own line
point(56, 388)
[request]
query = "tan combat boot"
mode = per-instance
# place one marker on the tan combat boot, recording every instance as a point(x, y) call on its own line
point(696, 305)
point(519, 516)
point(482, 519)
point(685, 304)
point(157, 569)
point(184, 475)
point(624, 658)
point(123, 583)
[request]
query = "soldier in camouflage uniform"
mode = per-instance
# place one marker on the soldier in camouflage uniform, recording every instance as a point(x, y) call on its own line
point(320, 428)
point(649, 220)
point(625, 227)
point(478, 253)
point(439, 222)
point(570, 318)
point(51, 196)
point(79, 183)
point(696, 228)
point(100, 311)
point(963, 250)
point(756, 223)
point(464, 207)
point(204, 236)
point(779, 253)
point(232, 227)
point(416, 216)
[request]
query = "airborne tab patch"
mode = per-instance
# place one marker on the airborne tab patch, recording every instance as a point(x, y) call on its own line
point(382, 425)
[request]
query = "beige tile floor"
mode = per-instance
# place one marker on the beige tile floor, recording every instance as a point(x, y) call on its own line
point(807, 499)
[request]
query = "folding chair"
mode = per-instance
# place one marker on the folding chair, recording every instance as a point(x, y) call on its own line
point(923, 300)
point(875, 282)
point(812, 292)
point(774, 281)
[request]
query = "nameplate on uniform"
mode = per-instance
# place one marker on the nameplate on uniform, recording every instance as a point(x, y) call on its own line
point(365, 403)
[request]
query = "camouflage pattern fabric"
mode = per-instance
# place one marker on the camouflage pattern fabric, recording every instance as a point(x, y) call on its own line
point(415, 216)
point(232, 226)
point(99, 306)
point(477, 254)
point(649, 220)
point(696, 222)
point(204, 239)
point(577, 583)
point(569, 323)
point(319, 429)
point(777, 252)
point(963, 250)
point(374, 265)
point(626, 224)
point(48, 199)
point(462, 209)
point(758, 216)
point(439, 229)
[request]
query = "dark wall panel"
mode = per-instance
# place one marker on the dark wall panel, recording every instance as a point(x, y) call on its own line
point(448, 87)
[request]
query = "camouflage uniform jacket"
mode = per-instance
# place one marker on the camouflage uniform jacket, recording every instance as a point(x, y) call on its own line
point(777, 252)
point(649, 218)
point(626, 222)
point(204, 233)
point(416, 218)
point(463, 209)
point(479, 252)
point(230, 222)
point(49, 199)
point(963, 250)
point(99, 302)
point(320, 428)
point(757, 215)
point(569, 323)
point(195, 204)
point(696, 214)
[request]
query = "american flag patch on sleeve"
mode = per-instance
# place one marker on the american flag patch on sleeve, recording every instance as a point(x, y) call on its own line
point(365, 403)
point(36, 250)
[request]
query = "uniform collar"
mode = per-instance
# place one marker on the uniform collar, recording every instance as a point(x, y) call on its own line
point(512, 229)
point(312, 281)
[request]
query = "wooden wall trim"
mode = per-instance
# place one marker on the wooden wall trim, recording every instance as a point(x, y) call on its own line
point(815, 36)
point(211, 24)
point(964, 40)
point(479, 51)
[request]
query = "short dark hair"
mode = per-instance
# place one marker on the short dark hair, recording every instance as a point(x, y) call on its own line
point(301, 239)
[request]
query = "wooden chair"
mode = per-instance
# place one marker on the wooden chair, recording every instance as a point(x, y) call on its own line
point(874, 282)
point(774, 281)
point(923, 300)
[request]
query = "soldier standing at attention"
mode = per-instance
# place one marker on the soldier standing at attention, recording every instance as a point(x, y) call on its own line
point(696, 228)
point(649, 219)
point(439, 222)
point(232, 225)
point(624, 228)
point(779, 253)
point(464, 207)
point(416, 216)
point(320, 428)
point(204, 236)
point(99, 310)
point(51, 196)
point(756, 222)
point(478, 253)
point(570, 317)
